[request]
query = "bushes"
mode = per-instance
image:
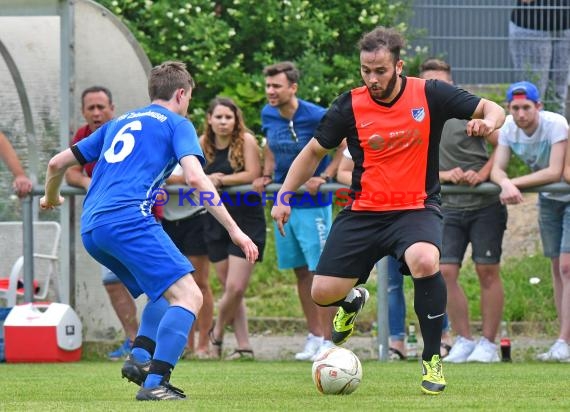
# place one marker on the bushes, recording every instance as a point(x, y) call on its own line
point(227, 43)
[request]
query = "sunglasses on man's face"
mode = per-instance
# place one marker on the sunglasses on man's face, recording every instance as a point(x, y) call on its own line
point(292, 131)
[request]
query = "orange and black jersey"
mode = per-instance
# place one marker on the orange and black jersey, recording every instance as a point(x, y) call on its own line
point(395, 146)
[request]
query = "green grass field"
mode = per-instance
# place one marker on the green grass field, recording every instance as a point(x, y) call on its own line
point(284, 386)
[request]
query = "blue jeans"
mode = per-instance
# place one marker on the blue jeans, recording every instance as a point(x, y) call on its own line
point(554, 223)
point(397, 302)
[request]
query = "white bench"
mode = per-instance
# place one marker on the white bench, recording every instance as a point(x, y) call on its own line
point(46, 258)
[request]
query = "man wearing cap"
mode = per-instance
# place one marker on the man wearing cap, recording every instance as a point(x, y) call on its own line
point(539, 139)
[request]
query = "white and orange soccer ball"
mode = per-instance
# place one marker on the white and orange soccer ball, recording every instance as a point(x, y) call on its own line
point(337, 372)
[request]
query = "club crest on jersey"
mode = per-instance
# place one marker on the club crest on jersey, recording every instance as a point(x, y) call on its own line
point(418, 114)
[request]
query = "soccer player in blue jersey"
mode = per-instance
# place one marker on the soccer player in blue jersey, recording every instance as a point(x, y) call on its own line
point(135, 153)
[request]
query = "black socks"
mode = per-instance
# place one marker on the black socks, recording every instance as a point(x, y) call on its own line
point(430, 300)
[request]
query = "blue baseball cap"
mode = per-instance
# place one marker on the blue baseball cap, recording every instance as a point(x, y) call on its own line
point(523, 90)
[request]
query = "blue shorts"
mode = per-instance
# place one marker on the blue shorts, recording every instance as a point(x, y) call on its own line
point(554, 223)
point(305, 236)
point(108, 277)
point(140, 253)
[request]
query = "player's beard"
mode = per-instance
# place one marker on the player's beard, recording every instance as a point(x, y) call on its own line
point(388, 90)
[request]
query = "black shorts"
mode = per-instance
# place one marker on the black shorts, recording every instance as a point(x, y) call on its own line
point(483, 228)
point(188, 234)
point(250, 219)
point(357, 240)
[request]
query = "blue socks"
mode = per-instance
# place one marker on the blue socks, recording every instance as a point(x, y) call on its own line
point(173, 334)
point(150, 319)
point(171, 338)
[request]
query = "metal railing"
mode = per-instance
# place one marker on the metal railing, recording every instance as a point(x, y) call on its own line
point(67, 268)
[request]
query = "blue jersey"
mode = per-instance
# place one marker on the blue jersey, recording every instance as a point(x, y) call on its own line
point(286, 143)
point(135, 153)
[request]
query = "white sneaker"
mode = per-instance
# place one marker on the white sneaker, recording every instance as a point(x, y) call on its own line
point(558, 352)
point(311, 347)
point(460, 351)
point(485, 352)
point(326, 345)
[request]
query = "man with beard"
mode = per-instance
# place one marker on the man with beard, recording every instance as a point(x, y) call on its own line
point(393, 126)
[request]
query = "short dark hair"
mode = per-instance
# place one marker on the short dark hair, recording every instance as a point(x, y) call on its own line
point(433, 64)
point(96, 89)
point(383, 37)
point(289, 68)
point(168, 77)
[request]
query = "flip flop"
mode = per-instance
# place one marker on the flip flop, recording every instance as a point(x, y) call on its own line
point(217, 344)
point(241, 355)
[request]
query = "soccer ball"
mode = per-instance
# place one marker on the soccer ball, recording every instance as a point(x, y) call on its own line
point(337, 372)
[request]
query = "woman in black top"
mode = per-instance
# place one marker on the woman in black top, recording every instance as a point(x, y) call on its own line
point(233, 158)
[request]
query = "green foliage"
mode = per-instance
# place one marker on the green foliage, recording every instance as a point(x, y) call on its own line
point(227, 43)
point(413, 60)
point(523, 301)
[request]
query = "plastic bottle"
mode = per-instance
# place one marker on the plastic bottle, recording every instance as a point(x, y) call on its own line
point(505, 343)
point(412, 343)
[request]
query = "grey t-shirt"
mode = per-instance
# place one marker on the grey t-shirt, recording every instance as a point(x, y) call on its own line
point(469, 153)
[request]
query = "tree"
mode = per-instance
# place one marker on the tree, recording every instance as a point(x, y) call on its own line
point(227, 43)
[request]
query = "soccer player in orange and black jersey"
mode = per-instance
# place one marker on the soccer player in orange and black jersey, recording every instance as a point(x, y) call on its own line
point(392, 125)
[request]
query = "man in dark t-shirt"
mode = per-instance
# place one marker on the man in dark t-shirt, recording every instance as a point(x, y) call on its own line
point(393, 126)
